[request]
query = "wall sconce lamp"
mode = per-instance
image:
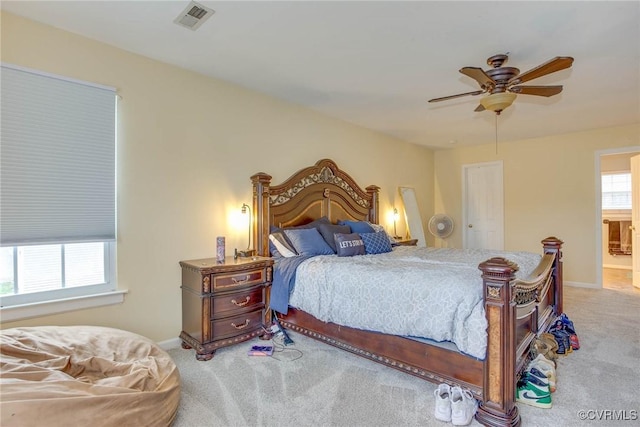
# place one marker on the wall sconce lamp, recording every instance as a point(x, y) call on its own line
point(249, 252)
point(395, 219)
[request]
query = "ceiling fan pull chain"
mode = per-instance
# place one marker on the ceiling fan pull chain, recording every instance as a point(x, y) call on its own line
point(497, 114)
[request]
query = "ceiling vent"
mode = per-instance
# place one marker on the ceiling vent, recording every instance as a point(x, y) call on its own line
point(193, 16)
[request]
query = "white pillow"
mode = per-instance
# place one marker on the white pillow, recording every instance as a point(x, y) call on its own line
point(282, 248)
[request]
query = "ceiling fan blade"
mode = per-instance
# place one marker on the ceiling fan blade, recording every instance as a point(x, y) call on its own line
point(444, 98)
point(479, 108)
point(478, 75)
point(536, 90)
point(556, 64)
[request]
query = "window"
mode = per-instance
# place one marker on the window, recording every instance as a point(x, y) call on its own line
point(616, 191)
point(57, 188)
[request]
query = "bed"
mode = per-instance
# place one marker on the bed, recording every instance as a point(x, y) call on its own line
point(516, 308)
point(85, 375)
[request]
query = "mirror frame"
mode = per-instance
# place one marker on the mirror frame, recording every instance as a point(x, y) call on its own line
point(412, 215)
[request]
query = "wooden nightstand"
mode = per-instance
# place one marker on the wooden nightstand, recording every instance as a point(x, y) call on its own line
point(407, 242)
point(224, 303)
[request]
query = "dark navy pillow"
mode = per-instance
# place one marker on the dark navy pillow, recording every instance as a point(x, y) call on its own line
point(358, 226)
point(308, 241)
point(349, 244)
point(376, 243)
point(313, 224)
point(329, 230)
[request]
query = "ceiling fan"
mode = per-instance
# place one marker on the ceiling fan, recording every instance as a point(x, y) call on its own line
point(502, 84)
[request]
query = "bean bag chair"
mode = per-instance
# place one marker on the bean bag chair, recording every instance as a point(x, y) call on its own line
point(85, 376)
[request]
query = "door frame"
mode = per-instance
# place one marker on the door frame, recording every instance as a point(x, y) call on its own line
point(598, 187)
point(465, 219)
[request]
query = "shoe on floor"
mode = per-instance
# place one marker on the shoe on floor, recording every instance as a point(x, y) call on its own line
point(575, 343)
point(546, 345)
point(463, 406)
point(529, 394)
point(567, 324)
point(542, 359)
point(545, 369)
point(551, 340)
point(535, 372)
point(538, 383)
point(443, 403)
point(563, 323)
point(564, 343)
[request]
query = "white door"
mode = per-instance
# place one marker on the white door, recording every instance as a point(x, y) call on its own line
point(635, 218)
point(483, 210)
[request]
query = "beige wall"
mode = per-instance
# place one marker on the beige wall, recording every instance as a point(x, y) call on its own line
point(549, 189)
point(187, 145)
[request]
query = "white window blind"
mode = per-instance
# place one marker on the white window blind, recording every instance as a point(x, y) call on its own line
point(57, 159)
point(616, 190)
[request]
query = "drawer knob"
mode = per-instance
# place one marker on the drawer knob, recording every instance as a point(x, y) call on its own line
point(246, 279)
point(246, 323)
point(242, 304)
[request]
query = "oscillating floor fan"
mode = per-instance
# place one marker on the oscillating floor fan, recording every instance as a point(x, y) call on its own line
point(441, 226)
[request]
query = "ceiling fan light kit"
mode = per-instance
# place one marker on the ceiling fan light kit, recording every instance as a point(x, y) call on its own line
point(497, 102)
point(503, 83)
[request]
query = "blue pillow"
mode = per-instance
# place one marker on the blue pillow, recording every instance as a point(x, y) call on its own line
point(308, 241)
point(349, 244)
point(376, 243)
point(358, 226)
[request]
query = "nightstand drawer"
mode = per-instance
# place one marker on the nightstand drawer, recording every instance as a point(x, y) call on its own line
point(240, 301)
point(232, 326)
point(232, 280)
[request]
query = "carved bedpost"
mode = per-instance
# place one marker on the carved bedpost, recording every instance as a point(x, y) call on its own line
point(373, 191)
point(554, 245)
point(498, 393)
point(261, 182)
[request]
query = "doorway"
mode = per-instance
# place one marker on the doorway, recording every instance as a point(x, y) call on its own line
point(614, 210)
point(483, 206)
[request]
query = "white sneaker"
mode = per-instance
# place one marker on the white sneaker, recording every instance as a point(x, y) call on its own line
point(548, 372)
point(463, 406)
point(541, 359)
point(443, 403)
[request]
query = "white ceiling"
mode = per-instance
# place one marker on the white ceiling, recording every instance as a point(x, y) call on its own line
point(376, 63)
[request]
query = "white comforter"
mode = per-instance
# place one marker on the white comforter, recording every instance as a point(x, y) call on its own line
point(421, 292)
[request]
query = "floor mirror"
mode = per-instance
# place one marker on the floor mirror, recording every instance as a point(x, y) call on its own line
point(412, 215)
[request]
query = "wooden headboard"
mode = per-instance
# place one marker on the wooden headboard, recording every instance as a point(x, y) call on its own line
point(311, 193)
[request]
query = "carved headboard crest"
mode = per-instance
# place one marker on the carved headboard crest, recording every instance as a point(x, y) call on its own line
point(314, 191)
point(325, 175)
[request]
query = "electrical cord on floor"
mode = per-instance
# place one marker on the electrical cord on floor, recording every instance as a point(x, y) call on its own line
point(280, 348)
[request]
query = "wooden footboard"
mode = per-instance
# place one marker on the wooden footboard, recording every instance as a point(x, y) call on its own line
point(516, 310)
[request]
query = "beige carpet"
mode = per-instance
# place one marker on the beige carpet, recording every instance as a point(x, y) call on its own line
point(318, 385)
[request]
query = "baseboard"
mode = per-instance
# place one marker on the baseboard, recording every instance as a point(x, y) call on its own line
point(618, 267)
point(169, 344)
point(582, 285)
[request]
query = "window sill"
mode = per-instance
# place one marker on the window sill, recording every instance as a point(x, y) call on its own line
point(27, 311)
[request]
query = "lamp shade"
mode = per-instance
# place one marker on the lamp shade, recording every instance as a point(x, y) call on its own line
point(498, 101)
